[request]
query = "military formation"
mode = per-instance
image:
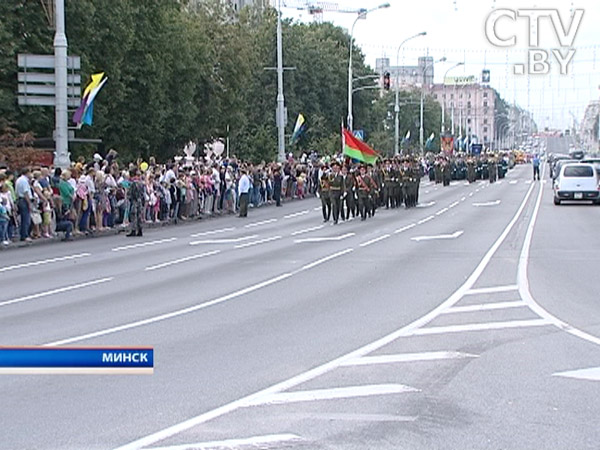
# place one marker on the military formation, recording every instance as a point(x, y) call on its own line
point(489, 166)
point(352, 190)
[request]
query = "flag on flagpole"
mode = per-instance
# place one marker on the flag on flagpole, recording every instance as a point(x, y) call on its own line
point(85, 112)
point(356, 149)
point(407, 137)
point(298, 129)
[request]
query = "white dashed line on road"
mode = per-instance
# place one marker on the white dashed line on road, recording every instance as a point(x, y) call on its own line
point(45, 261)
point(260, 241)
point(372, 241)
point(143, 244)
point(262, 222)
point(181, 260)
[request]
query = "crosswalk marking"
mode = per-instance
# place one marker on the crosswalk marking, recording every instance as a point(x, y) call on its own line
point(407, 357)
point(492, 289)
point(480, 327)
point(485, 307)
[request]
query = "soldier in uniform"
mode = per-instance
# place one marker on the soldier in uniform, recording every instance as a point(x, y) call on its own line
point(349, 192)
point(396, 189)
point(388, 175)
point(492, 169)
point(324, 192)
point(336, 188)
point(135, 195)
point(375, 191)
point(406, 184)
point(446, 172)
point(438, 171)
point(471, 170)
point(364, 190)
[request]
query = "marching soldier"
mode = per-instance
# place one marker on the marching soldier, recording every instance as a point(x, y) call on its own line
point(336, 188)
point(388, 194)
point(364, 189)
point(375, 191)
point(446, 172)
point(492, 169)
point(471, 170)
point(349, 192)
point(325, 198)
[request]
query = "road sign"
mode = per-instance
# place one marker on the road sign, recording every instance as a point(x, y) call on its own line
point(476, 149)
point(360, 134)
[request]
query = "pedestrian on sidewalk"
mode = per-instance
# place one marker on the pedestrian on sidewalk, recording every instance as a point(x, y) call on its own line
point(244, 188)
point(135, 196)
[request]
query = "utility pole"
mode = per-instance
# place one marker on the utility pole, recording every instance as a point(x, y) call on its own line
point(280, 98)
point(61, 136)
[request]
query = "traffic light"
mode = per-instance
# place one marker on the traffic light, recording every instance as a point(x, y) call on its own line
point(386, 81)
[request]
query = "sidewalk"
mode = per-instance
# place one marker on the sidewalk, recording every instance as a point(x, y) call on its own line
point(121, 229)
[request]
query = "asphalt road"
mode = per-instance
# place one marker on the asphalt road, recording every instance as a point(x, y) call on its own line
point(469, 322)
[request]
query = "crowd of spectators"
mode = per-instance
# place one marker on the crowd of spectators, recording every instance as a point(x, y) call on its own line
point(89, 196)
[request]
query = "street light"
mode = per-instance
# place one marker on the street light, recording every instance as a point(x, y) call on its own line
point(360, 16)
point(422, 98)
point(396, 105)
point(444, 97)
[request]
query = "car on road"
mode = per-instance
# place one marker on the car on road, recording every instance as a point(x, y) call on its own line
point(557, 164)
point(594, 161)
point(577, 182)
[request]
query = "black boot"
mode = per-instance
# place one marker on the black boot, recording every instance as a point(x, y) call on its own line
point(131, 234)
point(139, 233)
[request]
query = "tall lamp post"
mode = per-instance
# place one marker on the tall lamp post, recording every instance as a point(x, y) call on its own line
point(361, 15)
point(396, 104)
point(422, 100)
point(60, 69)
point(443, 128)
point(280, 98)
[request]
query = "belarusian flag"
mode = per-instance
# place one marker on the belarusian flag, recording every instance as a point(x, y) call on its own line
point(357, 149)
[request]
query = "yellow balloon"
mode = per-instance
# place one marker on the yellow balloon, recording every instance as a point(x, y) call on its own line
point(144, 166)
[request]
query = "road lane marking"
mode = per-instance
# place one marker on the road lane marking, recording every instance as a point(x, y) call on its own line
point(143, 244)
point(262, 222)
point(407, 357)
point(462, 199)
point(486, 307)
point(301, 213)
point(318, 208)
point(332, 394)
point(251, 442)
point(590, 374)
point(425, 205)
point(307, 230)
point(407, 227)
point(528, 182)
point(494, 203)
point(335, 363)
point(45, 261)
point(470, 194)
point(425, 220)
point(513, 181)
point(55, 291)
point(208, 233)
point(452, 205)
point(492, 290)
point(324, 239)
point(181, 260)
point(260, 241)
point(325, 259)
point(480, 327)
point(439, 236)
point(523, 280)
point(354, 417)
point(224, 241)
point(372, 241)
point(441, 211)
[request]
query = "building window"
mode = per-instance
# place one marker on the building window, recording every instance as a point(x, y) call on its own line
point(435, 96)
point(485, 121)
point(443, 95)
point(470, 130)
point(460, 104)
point(468, 104)
point(485, 95)
point(451, 95)
point(485, 104)
point(485, 110)
point(469, 95)
point(469, 120)
point(485, 138)
point(461, 96)
point(485, 129)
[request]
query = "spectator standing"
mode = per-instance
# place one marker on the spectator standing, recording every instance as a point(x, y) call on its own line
point(135, 195)
point(24, 202)
point(244, 188)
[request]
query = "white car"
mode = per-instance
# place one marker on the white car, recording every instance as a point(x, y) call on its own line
point(577, 182)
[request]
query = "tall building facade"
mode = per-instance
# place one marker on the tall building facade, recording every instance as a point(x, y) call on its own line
point(407, 76)
point(471, 107)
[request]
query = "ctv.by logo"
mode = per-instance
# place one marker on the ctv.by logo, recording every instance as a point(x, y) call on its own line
point(538, 59)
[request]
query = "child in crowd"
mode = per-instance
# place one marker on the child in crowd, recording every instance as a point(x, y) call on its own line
point(4, 222)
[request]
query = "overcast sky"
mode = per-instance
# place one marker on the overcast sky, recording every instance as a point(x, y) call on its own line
point(456, 29)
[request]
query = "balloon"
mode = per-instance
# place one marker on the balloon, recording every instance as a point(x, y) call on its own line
point(144, 166)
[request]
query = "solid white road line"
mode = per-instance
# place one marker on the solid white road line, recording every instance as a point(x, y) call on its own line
point(143, 244)
point(208, 233)
point(441, 211)
point(224, 241)
point(407, 227)
point(425, 220)
point(45, 261)
point(336, 363)
point(301, 213)
point(181, 260)
point(324, 239)
point(407, 357)
point(176, 313)
point(327, 258)
point(262, 222)
point(307, 230)
point(486, 307)
point(523, 280)
point(55, 291)
point(591, 374)
point(439, 236)
point(372, 241)
point(494, 203)
point(252, 442)
point(492, 290)
point(481, 327)
point(260, 241)
point(333, 393)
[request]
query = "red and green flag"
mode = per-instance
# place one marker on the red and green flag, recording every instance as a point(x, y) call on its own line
point(357, 149)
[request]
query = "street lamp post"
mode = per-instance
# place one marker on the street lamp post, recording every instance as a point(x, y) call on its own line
point(360, 16)
point(422, 100)
point(60, 69)
point(280, 98)
point(443, 128)
point(396, 104)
